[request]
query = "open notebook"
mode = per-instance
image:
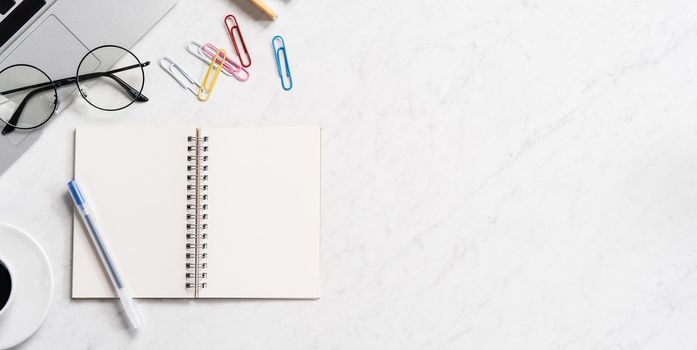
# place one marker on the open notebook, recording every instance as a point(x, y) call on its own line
point(206, 213)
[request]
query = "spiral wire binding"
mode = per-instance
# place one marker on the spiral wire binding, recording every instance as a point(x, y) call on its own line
point(196, 217)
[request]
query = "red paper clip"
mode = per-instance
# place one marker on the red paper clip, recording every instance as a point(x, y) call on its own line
point(235, 28)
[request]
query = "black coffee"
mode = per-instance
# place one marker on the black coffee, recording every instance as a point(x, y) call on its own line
point(5, 285)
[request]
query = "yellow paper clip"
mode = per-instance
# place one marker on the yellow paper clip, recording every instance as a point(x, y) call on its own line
point(204, 92)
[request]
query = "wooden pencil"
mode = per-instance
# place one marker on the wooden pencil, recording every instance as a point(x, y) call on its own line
point(265, 9)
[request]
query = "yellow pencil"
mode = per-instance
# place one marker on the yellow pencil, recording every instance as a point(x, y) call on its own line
point(265, 9)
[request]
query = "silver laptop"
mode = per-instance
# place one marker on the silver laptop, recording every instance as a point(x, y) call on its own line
point(54, 35)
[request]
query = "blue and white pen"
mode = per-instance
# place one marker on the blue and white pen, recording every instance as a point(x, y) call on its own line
point(126, 301)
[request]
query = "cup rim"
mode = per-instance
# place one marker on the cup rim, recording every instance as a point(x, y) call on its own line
point(8, 266)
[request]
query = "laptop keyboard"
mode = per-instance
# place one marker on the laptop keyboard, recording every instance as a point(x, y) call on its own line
point(6, 5)
point(14, 15)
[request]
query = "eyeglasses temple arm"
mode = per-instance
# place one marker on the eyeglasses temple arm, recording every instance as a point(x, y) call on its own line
point(133, 93)
point(61, 82)
point(130, 91)
point(15, 116)
point(25, 88)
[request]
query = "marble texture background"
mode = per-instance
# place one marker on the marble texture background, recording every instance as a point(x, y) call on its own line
point(497, 174)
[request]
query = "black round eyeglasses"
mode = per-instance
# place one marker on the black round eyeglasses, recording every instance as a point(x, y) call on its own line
point(29, 97)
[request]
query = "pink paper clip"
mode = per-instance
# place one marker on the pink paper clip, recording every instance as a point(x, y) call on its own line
point(231, 67)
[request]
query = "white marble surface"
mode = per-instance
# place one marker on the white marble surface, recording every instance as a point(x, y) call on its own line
point(497, 175)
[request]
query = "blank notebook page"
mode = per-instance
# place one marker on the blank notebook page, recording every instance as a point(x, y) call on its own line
point(135, 182)
point(263, 211)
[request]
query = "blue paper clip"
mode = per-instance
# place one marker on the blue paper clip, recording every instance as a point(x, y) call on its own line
point(277, 51)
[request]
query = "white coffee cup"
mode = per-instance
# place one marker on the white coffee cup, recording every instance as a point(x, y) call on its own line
point(7, 266)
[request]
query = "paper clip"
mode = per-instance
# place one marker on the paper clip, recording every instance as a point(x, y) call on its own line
point(182, 77)
point(277, 52)
point(229, 65)
point(196, 49)
point(233, 29)
point(204, 92)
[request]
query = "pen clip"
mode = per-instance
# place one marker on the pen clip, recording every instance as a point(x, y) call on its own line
point(277, 52)
point(233, 30)
point(182, 77)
